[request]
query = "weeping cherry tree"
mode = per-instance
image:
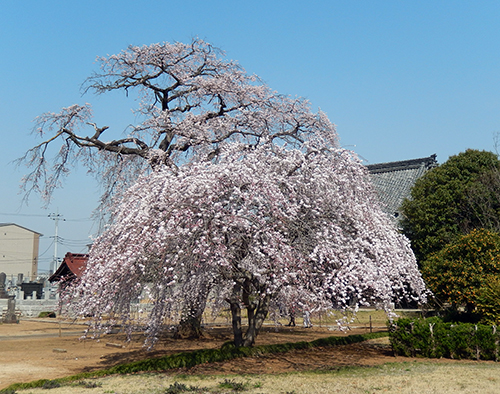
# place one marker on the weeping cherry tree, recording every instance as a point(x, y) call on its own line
point(259, 224)
point(190, 102)
point(224, 190)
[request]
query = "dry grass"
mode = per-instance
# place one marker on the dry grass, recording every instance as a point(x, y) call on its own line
point(404, 378)
point(362, 319)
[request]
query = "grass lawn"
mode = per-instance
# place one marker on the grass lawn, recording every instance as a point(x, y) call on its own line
point(407, 377)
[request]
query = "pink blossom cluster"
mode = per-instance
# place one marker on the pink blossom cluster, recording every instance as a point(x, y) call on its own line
point(299, 225)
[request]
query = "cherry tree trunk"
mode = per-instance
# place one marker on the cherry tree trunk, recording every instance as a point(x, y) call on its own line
point(234, 303)
point(256, 312)
point(190, 325)
point(189, 328)
point(256, 317)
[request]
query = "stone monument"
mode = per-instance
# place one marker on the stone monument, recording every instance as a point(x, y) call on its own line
point(10, 315)
point(3, 293)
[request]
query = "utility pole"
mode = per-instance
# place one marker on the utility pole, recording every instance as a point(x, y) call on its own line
point(55, 217)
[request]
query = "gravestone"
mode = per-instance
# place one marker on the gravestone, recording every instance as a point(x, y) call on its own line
point(33, 290)
point(10, 315)
point(3, 293)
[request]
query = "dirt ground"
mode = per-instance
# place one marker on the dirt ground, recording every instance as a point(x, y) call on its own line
point(46, 349)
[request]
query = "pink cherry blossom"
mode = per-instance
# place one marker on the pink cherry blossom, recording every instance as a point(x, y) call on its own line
point(258, 225)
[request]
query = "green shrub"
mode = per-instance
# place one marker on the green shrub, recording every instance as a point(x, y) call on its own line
point(435, 338)
point(488, 301)
point(47, 314)
point(457, 272)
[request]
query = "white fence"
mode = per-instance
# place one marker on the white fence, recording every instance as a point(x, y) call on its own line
point(30, 307)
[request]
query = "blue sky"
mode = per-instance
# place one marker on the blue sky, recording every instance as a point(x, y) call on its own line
point(400, 79)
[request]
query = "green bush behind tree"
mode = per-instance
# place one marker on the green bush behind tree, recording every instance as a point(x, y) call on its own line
point(488, 301)
point(452, 199)
point(460, 272)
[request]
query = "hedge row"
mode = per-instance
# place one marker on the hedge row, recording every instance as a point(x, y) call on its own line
point(190, 359)
point(434, 338)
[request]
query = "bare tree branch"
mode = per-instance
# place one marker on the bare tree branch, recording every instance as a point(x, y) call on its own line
point(192, 101)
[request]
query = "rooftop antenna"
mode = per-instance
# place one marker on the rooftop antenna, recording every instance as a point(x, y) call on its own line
point(55, 217)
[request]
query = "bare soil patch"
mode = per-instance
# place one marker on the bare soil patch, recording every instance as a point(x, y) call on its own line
point(45, 349)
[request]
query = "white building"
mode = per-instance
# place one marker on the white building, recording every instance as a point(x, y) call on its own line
point(18, 251)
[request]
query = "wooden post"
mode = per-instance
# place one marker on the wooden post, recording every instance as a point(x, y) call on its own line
point(371, 328)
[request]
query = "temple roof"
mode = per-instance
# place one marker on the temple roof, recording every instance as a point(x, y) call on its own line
point(71, 267)
point(393, 181)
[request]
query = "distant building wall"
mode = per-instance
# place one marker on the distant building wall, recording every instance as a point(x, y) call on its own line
point(18, 251)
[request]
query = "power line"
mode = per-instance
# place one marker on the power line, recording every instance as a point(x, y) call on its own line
point(44, 216)
point(46, 250)
point(23, 214)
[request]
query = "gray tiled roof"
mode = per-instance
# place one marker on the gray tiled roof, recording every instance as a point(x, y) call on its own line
point(393, 181)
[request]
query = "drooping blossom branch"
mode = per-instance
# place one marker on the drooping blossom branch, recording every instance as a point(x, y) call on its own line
point(259, 224)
